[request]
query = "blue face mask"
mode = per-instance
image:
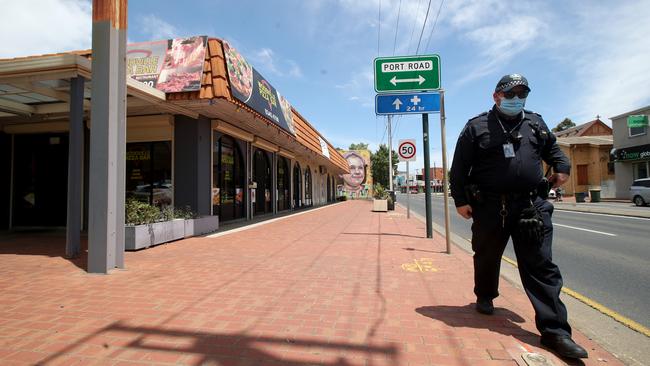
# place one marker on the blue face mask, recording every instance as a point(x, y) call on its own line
point(511, 107)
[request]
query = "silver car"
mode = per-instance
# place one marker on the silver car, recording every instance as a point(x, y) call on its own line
point(640, 191)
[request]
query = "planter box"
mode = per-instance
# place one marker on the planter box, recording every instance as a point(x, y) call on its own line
point(380, 205)
point(143, 236)
point(201, 225)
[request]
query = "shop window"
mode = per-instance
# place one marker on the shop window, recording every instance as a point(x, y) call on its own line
point(640, 170)
point(228, 179)
point(262, 176)
point(149, 172)
point(308, 187)
point(297, 201)
point(283, 184)
point(611, 168)
point(638, 131)
point(583, 175)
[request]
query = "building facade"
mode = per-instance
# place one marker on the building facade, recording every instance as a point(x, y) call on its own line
point(631, 153)
point(206, 148)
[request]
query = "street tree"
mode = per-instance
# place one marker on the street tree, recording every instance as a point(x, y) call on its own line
point(359, 146)
point(564, 125)
point(379, 165)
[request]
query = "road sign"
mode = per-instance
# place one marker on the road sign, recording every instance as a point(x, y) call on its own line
point(407, 73)
point(406, 150)
point(407, 103)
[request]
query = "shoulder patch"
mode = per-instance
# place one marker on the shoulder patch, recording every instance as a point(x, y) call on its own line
point(531, 112)
point(478, 116)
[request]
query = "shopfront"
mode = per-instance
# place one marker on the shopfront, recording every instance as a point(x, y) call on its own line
point(228, 177)
point(221, 141)
point(631, 152)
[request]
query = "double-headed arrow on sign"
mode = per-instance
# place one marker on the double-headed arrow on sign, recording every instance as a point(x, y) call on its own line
point(419, 80)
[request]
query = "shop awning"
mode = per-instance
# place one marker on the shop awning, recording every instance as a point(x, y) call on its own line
point(37, 89)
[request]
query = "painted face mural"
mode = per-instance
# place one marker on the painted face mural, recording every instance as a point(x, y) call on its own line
point(354, 182)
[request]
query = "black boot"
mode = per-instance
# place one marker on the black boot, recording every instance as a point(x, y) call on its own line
point(484, 306)
point(563, 345)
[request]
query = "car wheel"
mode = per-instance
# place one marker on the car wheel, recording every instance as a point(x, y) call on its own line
point(638, 200)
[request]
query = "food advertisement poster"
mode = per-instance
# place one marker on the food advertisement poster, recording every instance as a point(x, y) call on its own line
point(173, 65)
point(250, 87)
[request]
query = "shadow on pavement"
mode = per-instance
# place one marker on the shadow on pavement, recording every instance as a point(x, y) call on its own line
point(41, 242)
point(503, 321)
point(228, 349)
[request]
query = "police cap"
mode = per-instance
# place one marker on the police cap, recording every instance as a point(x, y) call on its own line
point(510, 81)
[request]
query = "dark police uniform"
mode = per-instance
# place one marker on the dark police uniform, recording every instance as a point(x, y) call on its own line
point(507, 185)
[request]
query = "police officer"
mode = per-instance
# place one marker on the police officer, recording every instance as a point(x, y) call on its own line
point(497, 180)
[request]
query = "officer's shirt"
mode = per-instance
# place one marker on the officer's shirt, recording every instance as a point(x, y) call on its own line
point(480, 159)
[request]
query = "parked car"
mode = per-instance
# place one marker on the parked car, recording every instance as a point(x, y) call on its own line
point(640, 191)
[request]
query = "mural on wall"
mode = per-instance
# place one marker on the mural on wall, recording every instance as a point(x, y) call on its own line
point(358, 183)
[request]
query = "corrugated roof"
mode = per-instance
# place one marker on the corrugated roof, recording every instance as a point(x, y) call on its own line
point(581, 129)
point(590, 140)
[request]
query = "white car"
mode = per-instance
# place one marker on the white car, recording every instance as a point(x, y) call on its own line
point(640, 191)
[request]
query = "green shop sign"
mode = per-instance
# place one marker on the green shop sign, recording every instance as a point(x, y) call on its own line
point(637, 121)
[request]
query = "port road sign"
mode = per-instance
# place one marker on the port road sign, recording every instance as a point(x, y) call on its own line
point(407, 73)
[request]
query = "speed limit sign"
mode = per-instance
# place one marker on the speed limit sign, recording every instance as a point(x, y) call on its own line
point(406, 150)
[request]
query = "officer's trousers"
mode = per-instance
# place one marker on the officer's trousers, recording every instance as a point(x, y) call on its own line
point(539, 275)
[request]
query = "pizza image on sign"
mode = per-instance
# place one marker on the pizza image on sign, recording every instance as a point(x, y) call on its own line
point(240, 72)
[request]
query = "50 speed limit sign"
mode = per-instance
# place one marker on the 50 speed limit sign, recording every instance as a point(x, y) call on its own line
point(406, 150)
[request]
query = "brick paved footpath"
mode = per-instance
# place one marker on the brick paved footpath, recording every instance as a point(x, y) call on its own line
point(339, 285)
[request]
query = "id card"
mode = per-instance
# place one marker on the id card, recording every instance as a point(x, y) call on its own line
point(508, 150)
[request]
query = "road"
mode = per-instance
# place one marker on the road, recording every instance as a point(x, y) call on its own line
point(604, 257)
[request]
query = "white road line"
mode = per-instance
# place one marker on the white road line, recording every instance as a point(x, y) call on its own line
point(579, 228)
point(601, 214)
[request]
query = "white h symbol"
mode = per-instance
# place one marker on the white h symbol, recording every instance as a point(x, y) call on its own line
point(415, 100)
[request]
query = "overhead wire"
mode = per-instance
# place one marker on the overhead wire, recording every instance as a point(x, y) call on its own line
point(399, 9)
point(423, 26)
point(413, 29)
point(434, 24)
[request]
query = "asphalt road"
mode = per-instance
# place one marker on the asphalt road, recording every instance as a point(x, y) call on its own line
point(604, 257)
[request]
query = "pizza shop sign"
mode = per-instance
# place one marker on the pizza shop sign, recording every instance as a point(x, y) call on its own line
point(249, 87)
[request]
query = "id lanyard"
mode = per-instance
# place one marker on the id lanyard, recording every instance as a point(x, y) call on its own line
point(508, 147)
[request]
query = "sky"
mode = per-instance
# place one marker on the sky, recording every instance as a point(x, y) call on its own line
point(581, 58)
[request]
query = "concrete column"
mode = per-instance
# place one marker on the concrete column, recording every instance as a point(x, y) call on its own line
point(120, 187)
point(75, 159)
point(192, 153)
point(109, 29)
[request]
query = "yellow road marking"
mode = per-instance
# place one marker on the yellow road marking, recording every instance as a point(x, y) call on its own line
point(422, 265)
point(598, 306)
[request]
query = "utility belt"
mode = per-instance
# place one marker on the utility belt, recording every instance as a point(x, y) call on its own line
point(476, 195)
point(530, 223)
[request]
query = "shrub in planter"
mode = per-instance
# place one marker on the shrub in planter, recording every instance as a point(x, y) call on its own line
point(147, 225)
point(380, 198)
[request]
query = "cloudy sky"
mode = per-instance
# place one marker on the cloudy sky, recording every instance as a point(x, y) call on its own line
point(582, 58)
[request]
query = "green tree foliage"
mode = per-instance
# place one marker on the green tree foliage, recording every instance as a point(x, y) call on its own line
point(379, 166)
point(359, 146)
point(564, 125)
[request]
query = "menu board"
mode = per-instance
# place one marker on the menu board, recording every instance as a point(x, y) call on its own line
point(252, 89)
point(173, 65)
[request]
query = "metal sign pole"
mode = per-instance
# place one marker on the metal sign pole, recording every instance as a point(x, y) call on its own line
point(390, 154)
point(445, 179)
point(408, 193)
point(427, 178)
